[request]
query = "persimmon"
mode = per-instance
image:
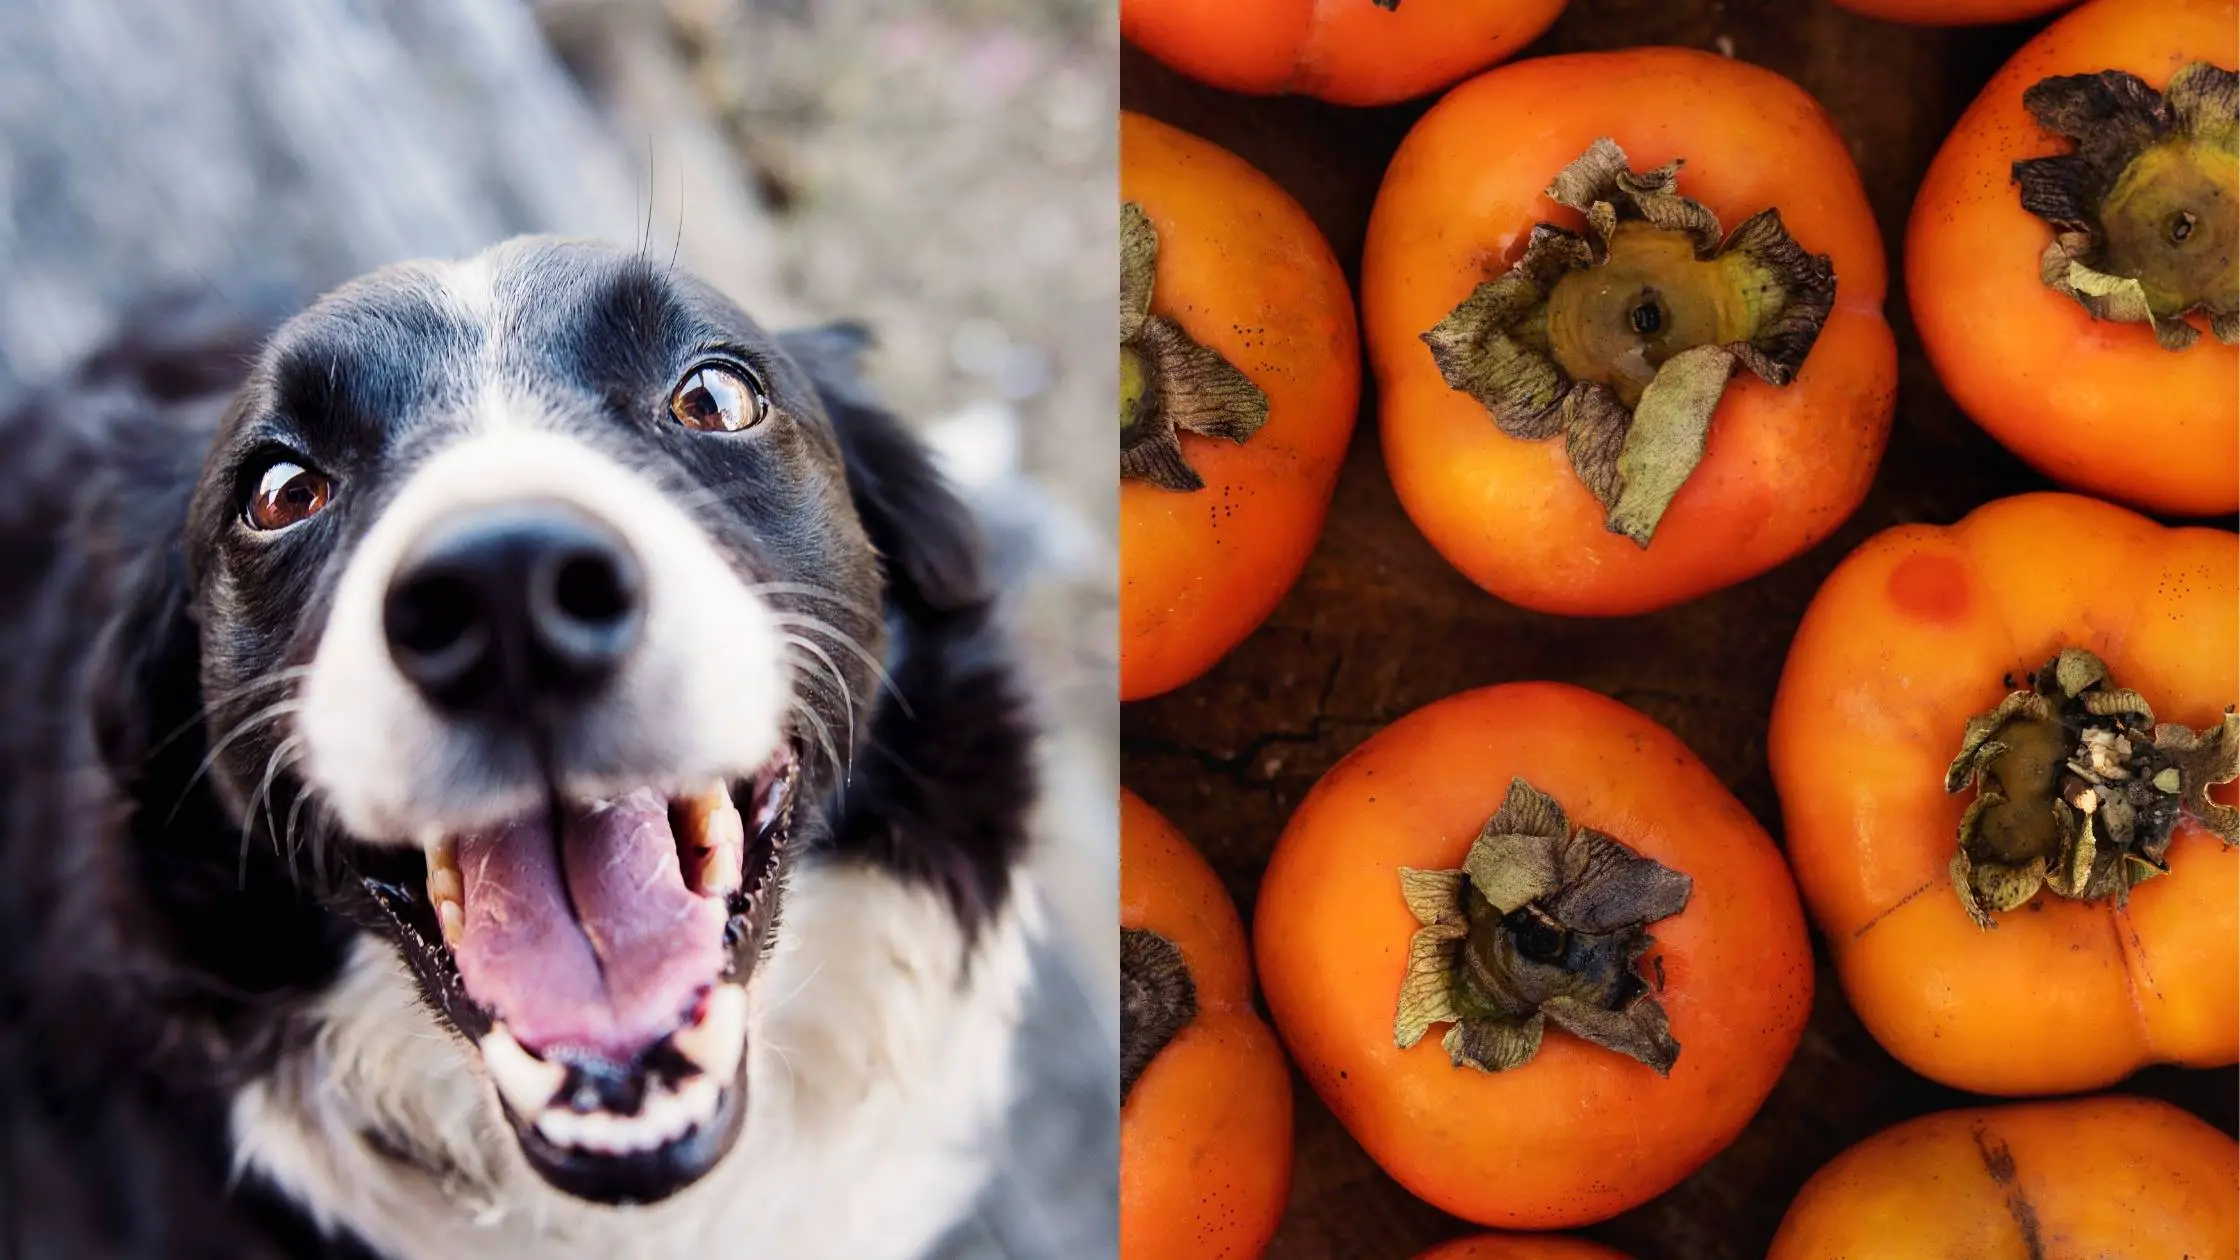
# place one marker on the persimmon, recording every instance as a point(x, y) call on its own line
point(1953, 12)
point(1205, 1114)
point(2073, 257)
point(2083, 1177)
point(1520, 1247)
point(1610, 381)
point(1995, 744)
point(1347, 52)
point(1533, 955)
point(1240, 374)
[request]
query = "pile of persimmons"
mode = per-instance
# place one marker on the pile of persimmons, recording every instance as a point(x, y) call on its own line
point(1528, 949)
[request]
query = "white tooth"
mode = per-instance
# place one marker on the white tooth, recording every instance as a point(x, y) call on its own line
point(674, 1118)
point(526, 1081)
point(592, 1131)
point(559, 1126)
point(698, 1100)
point(446, 891)
point(444, 884)
point(723, 861)
point(714, 841)
point(716, 1042)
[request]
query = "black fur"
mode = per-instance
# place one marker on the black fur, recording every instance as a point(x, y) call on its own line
point(150, 961)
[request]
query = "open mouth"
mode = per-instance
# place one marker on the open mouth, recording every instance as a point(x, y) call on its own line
point(604, 971)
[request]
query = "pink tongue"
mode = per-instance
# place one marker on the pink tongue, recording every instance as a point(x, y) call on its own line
point(620, 980)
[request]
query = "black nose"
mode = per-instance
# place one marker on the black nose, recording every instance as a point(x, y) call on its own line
point(513, 609)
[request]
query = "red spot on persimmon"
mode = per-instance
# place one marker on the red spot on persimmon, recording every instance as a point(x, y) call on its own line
point(1931, 587)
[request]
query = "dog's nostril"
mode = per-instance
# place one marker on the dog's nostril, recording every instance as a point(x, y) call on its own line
point(591, 588)
point(432, 614)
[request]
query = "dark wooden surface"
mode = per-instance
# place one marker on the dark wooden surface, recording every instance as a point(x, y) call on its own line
point(1380, 625)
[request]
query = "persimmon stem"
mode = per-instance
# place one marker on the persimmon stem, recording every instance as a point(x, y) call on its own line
point(1623, 338)
point(1158, 999)
point(1169, 383)
point(2078, 790)
point(2145, 209)
point(1541, 925)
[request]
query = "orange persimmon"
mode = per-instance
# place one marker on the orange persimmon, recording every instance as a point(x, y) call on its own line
point(1520, 1247)
point(1533, 954)
point(1580, 411)
point(1347, 52)
point(2127, 395)
point(1205, 1116)
point(1240, 376)
point(1953, 12)
point(2108, 1176)
point(1966, 745)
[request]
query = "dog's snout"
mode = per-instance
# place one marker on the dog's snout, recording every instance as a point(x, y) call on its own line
point(509, 610)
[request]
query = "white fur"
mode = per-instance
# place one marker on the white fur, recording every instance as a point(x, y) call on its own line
point(879, 1077)
point(703, 697)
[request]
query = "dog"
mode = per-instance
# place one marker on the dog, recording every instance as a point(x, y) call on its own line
point(517, 761)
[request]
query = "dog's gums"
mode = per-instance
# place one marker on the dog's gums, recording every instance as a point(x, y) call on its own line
point(608, 970)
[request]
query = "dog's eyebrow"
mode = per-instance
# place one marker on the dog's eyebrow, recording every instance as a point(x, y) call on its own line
point(365, 361)
point(634, 327)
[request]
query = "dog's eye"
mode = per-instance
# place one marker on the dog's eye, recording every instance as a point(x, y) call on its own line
point(718, 399)
point(287, 494)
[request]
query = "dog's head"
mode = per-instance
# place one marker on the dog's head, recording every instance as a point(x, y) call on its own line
point(539, 599)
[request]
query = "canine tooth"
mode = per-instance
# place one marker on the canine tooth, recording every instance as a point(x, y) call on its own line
point(526, 1081)
point(715, 1044)
point(446, 890)
point(444, 884)
point(718, 836)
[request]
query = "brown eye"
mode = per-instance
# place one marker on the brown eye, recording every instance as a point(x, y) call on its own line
point(287, 494)
point(717, 399)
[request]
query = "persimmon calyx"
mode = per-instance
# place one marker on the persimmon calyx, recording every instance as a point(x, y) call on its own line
point(1541, 925)
point(1157, 1000)
point(1622, 338)
point(1168, 382)
point(2146, 210)
point(2079, 789)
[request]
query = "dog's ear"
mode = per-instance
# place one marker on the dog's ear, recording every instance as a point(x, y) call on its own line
point(926, 535)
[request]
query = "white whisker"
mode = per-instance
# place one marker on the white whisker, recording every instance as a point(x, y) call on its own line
point(839, 685)
point(281, 754)
point(287, 675)
point(840, 769)
point(803, 621)
point(269, 713)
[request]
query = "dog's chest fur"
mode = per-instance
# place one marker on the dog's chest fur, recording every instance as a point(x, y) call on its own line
point(878, 1081)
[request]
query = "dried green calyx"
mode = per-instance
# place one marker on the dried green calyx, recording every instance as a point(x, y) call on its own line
point(1168, 382)
point(2146, 210)
point(1622, 339)
point(1157, 1000)
point(1541, 925)
point(2078, 789)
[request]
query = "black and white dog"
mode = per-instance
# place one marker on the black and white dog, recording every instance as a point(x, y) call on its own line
point(523, 765)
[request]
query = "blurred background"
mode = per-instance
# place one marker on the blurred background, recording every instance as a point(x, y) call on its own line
point(944, 172)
